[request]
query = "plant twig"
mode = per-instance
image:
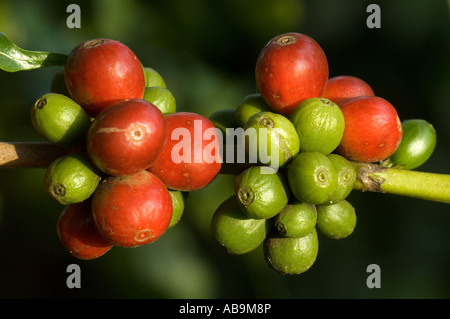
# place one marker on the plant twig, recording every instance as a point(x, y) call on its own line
point(30, 154)
point(371, 177)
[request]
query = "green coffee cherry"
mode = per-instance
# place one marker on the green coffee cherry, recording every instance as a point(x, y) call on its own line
point(261, 192)
point(297, 219)
point(60, 120)
point(336, 221)
point(153, 78)
point(417, 145)
point(249, 106)
point(71, 178)
point(271, 139)
point(312, 178)
point(291, 255)
point(320, 125)
point(346, 177)
point(162, 98)
point(235, 231)
point(178, 206)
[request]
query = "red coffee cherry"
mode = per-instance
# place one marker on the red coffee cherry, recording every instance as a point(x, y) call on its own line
point(78, 234)
point(344, 87)
point(133, 210)
point(100, 72)
point(191, 158)
point(372, 131)
point(291, 68)
point(126, 137)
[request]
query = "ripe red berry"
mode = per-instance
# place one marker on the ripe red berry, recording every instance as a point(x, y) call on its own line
point(291, 68)
point(78, 234)
point(344, 87)
point(126, 137)
point(133, 210)
point(100, 72)
point(372, 131)
point(191, 158)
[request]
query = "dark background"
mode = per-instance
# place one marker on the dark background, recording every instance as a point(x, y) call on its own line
point(206, 51)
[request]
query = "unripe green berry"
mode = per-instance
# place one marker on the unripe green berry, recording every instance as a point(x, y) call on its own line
point(271, 139)
point(336, 221)
point(320, 125)
point(60, 120)
point(291, 255)
point(236, 232)
point(297, 219)
point(312, 178)
point(261, 192)
point(346, 177)
point(162, 98)
point(249, 106)
point(153, 78)
point(417, 145)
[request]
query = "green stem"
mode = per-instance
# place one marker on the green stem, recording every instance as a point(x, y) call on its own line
point(376, 178)
point(423, 185)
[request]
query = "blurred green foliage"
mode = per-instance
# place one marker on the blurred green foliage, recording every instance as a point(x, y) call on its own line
point(206, 52)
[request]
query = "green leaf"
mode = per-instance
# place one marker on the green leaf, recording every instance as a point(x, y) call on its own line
point(13, 58)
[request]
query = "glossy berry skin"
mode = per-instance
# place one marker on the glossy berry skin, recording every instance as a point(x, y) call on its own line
point(132, 211)
point(344, 87)
point(372, 131)
point(126, 137)
point(78, 234)
point(312, 178)
point(191, 158)
point(100, 72)
point(291, 68)
point(417, 145)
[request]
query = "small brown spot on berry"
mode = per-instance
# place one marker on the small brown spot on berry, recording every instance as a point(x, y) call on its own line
point(40, 103)
point(93, 43)
point(286, 40)
point(58, 190)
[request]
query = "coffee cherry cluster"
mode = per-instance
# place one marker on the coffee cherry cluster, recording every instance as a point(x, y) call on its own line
point(119, 182)
point(303, 131)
